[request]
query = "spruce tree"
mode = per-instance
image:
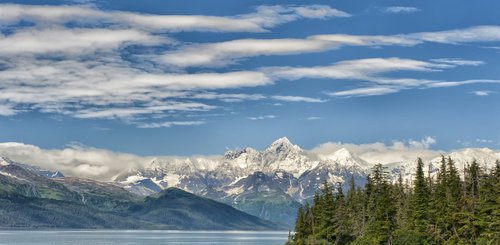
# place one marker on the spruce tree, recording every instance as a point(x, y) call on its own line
point(342, 222)
point(455, 212)
point(489, 207)
point(469, 221)
point(440, 212)
point(325, 221)
point(381, 221)
point(420, 199)
point(401, 198)
point(316, 213)
point(300, 226)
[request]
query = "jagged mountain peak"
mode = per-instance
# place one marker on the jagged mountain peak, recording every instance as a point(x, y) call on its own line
point(344, 157)
point(282, 140)
point(233, 154)
point(282, 144)
point(343, 153)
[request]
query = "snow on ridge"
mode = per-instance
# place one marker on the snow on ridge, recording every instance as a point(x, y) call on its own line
point(4, 161)
point(199, 173)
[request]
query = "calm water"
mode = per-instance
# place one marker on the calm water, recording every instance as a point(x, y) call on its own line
point(84, 237)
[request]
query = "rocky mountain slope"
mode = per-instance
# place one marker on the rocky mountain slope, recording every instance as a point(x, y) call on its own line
point(30, 198)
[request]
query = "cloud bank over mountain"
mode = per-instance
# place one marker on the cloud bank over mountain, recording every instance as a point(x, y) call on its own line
point(101, 164)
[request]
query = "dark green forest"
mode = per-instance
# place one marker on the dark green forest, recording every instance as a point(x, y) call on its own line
point(443, 209)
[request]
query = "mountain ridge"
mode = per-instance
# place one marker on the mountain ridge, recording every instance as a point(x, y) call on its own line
point(302, 174)
point(31, 200)
point(271, 183)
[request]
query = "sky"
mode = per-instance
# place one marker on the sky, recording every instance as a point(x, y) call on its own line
point(200, 77)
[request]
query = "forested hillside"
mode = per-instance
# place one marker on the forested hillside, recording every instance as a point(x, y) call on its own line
point(445, 209)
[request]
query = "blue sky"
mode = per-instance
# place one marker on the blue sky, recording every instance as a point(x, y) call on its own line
point(198, 77)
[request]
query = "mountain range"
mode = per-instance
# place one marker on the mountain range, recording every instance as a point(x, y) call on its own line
point(269, 184)
point(272, 183)
point(31, 197)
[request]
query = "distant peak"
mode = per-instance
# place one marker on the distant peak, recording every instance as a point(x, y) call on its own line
point(282, 140)
point(5, 161)
point(282, 144)
point(343, 152)
point(233, 154)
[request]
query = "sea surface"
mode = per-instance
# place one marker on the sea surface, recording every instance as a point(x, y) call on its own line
point(84, 237)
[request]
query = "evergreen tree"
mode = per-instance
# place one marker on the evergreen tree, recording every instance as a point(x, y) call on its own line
point(420, 199)
point(402, 203)
point(316, 212)
point(326, 220)
point(343, 224)
point(454, 186)
point(381, 222)
point(489, 207)
point(469, 221)
point(440, 212)
point(452, 212)
point(300, 227)
point(354, 209)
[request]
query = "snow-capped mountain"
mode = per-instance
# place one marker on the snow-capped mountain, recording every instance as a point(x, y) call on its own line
point(5, 161)
point(286, 162)
point(281, 155)
point(263, 183)
point(272, 182)
point(486, 158)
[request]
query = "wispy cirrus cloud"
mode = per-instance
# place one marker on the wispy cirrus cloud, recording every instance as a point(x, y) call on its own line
point(460, 36)
point(69, 60)
point(361, 69)
point(264, 17)
point(447, 84)
point(373, 70)
point(455, 36)
point(366, 91)
point(224, 53)
point(459, 62)
point(169, 124)
point(7, 110)
point(98, 89)
point(400, 9)
point(256, 118)
point(228, 97)
point(483, 93)
point(225, 97)
point(289, 98)
point(229, 52)
point(131, 112)
point(74, 41)
point(381, 89)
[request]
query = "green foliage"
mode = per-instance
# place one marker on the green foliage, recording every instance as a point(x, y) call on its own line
point(420, 199)
point(443, 209)
point(408, 237)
